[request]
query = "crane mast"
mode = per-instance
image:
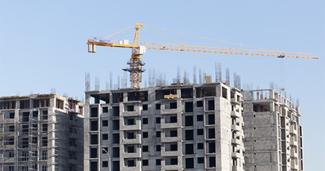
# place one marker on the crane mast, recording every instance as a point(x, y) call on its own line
point(136, 64)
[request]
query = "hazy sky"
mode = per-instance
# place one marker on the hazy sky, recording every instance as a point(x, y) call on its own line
point(43, 47)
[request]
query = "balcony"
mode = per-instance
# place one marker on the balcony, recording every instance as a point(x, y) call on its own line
point(170, 167)
point(235, 114)
point(236, 127)
point(131, 127)
point(236, 141)
point(170, 125)
point(170, 139)
point(169, 153)
point(236, 155)
point(137, 154)
point(131, 109)
point(165, 111)
point(136, 140)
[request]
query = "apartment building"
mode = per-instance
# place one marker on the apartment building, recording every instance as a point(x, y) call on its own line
point(273, 134)
point(41, 132)
point(175, 127)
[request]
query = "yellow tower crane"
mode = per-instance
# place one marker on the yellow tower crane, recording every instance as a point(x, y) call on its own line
point(136, 64)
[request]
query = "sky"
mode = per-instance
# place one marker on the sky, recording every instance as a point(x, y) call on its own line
point(43, 47)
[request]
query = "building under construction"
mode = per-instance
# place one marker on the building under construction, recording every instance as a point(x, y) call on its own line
point(41, 132)
point(176, 127)
point(273, 134)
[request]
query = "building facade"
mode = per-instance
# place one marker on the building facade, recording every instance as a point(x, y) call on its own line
point(41, 132)
point(273, 134)
point(176, 127)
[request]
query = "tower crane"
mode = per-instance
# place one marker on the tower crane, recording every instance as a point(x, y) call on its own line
point(136, 64)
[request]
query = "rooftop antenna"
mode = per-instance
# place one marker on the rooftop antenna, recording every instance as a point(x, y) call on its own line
point(200, 76)
point(87, 82)
point(227, 77)
point(97, 84)
point(194, 75)
point(178, 75)
point(110, 80)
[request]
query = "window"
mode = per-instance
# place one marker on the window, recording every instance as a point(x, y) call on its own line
point(130, 163)
point(105, 150)
point(94, 125)
point(44, 141)
point(145, 134)
point(261, 107)
point(211, 119)
point(173, 105)
point(189, 163)
point(212, 147)
point(158, 162)
point(189, 149)
point(172, 119)
point(105, 109)
point(200, 146)
point(116, 124)
point(105, 136)
point(173, 133)
point(93, 139)
point(144, 121)
point(25, 117)
point(199, 103)
point(188, 120)
point(200, 160)
point(116, 138)
point(144, 107)
point(157, 120)
point(130, 149)
point(105, 123)
point(171, 161)
point(116, 152)
point(224, 93)
point(93, 112)
point(105, 164)
point(188, 134)
point(130, 108)
point(171, 147)
point(44, 168)
point(44, 155)
point(211, 105)
point(145, 162)
point(11, 128)
point(129, 135)
point(199, 131)
point(116, 165)
point(9, 115)
point(212, 162)
point(93, 152)
point(35, 114)
point(188, 106)
point(116, 110)
point(211, 133)
point(158, 147)
point(145, 148)
point(158, 106)
point(199, 118)
point(130, 121)
point(158, 133)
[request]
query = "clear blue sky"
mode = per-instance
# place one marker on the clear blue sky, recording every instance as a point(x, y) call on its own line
point(42, 46)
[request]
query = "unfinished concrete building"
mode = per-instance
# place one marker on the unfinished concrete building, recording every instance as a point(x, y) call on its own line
point(176, 127)
point(273, 134)
point(42, 132)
